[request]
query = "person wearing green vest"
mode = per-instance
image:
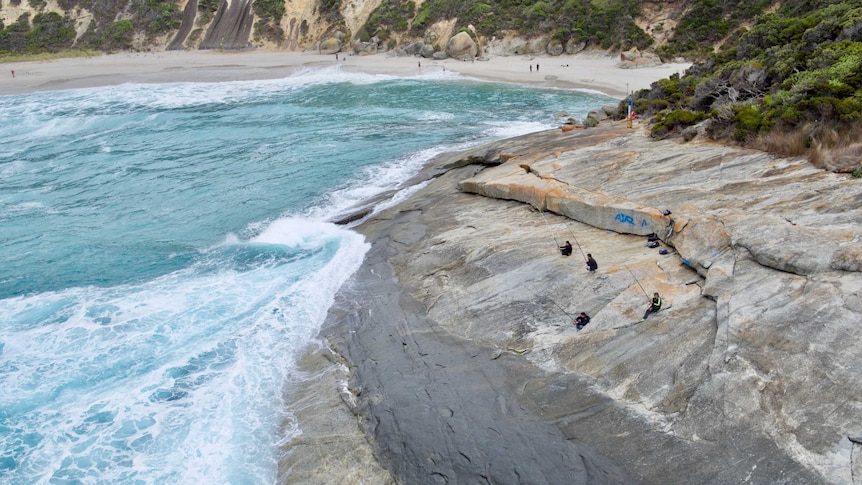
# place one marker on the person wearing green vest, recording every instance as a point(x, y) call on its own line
point(654, 306)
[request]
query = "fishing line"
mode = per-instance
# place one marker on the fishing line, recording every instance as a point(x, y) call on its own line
point(546, 225)
point(576, 242)
point(638, 282)
point(561, 309)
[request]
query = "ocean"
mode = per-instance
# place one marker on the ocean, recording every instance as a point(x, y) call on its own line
point(168, 250)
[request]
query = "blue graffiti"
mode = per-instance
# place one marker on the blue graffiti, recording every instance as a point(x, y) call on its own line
point(643, 223)
point(624, 218)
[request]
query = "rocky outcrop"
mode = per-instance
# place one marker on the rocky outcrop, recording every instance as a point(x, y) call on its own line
point(634, 58)
point(748, 374)
point(461, 44)
point(231, 27)
point(189, 15)
point(329, 46)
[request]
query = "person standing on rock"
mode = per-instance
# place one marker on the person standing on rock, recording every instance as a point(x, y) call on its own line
point(566, 250)
point(592, 265)
point(654, 305)
point(582, 320)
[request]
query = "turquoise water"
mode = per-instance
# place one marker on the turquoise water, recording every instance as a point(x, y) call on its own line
point(167, 252)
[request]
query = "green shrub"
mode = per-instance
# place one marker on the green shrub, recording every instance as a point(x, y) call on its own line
point(210, 6)
point(330, 10)
point(858, 173)
point(269, 9)
point(50, 33)
point(390, 15)
point(119, 35)
point(670, 121)
point(747, 120)
point(13, 39)
point(156, 17)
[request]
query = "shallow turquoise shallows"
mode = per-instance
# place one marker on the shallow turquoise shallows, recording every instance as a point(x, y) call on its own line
point(166, 252)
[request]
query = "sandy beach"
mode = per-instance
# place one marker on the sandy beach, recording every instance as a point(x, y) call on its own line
point(594, 70)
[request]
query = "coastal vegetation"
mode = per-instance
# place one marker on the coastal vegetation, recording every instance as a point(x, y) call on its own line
point(791, 84)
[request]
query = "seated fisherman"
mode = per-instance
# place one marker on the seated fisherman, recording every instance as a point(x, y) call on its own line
point(582, 320)
point(654, 306)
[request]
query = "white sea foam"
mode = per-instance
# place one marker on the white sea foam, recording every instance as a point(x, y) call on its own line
point(175, 380)
point(515, 128)
point(168, 197)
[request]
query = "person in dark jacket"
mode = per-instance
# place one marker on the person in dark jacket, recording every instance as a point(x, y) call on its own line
point(654, 306)
point(592, 265)
point(582, 320)
point(567, 249)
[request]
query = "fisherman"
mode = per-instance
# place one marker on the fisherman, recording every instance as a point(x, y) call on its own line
point(582, 320)
point(592, 265)
point(654, 306)
point(567, 249)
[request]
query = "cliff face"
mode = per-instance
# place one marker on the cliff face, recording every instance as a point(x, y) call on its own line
point(291, 25)
point(747, 374)
point(229, 26)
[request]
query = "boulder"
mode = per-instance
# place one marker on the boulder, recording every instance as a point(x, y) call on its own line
point(329, 46)
point(610, 109)
point(538, 45)
point(598, 114)
point(461, 44)
point(555, 48)
point(364, 48)
point(573, 47)
point(415, 48)
point(440, 55)
point(427, 51)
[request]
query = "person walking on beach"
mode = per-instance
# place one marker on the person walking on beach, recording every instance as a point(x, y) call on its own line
point(654, 306)
point(592, 265)
point(531, 68)
point(582, 320)
point(537, 67)
point(566, 249)
point(13, 73)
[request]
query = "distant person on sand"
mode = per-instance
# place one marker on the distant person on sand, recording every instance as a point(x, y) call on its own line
point(654, 306)
point(420, 64)
point(582, 320)
point(537, 67)
point(13, 73)
point(592, 265)
point(566, 249)
point(531, 68)
point(336, 56)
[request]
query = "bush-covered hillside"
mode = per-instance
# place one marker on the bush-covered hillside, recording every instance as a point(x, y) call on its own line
point(789, 83)
point(607, 24)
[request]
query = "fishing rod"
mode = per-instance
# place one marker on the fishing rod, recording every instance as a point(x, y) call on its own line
point(561, 309)
point(576, 241)
point(546, 225)
point(638, 282)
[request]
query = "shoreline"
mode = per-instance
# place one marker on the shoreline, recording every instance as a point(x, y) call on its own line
point(591, 70)
point(463, 363)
